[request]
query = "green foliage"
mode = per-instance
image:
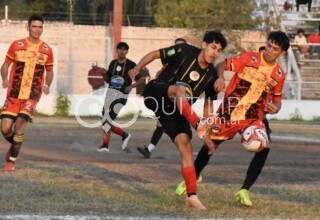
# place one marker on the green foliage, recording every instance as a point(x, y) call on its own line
point(207, 14)
point(62, 105)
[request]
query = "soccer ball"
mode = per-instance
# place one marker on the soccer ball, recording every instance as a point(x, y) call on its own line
point(254, 139)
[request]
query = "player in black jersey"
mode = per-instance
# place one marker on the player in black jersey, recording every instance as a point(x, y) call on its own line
point(120, 84)
point(189, 73)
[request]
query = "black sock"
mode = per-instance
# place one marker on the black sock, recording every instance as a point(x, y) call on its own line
point(202, 160)
point(266, 124)
point(16, 145)
point(156, 135)
point(255, 167)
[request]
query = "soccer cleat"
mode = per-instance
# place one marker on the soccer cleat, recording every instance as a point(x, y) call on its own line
point(182, 189)
point(144, 151)
point(103, 148)
point(243, 198)
point(125, 139)
point(9, 167)
point(193, 201)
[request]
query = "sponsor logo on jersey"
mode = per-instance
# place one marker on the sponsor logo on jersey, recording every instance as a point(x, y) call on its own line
point(20, 43)
point(189, 93)
point(194, 75)
point(117, 81)
point(171, 52)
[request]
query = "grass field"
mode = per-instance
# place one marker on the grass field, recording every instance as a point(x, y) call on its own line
point(59, 173)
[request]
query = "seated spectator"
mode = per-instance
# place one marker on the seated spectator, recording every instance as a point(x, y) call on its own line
point(314, 38)
point(303, 2)
point(287, 6)
point(303, 47)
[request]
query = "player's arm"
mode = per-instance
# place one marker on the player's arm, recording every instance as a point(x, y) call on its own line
point(143, 62)
point(4, 74)
point(273, 107)
point(219, 84)
point(48, 81)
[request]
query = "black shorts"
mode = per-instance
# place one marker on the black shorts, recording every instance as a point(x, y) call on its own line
point(156, 99)
point(115, 101)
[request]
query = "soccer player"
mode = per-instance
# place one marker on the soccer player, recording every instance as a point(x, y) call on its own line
point(189, 73)
point(256, 76)
point(157, 134)
point(30, 58)
point(120, 86)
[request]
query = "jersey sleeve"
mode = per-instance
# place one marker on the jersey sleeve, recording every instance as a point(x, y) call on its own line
point(10, 53)
point(277, 89)
point(236, 64)
point(172, 54)
point(49, 62)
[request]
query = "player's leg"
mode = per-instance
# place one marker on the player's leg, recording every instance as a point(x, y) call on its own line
point(267, 126)
point(6, 128)
point(253, 172)
point(157, 134)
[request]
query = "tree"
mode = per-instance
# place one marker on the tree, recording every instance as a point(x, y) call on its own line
point(207, 14)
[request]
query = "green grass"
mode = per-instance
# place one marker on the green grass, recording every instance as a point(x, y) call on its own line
point(56, 189)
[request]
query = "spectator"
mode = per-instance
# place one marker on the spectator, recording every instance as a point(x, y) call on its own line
point(302, 2)
point(303, 47)
point(96, 78)
point(287, 6)
point(314, 38)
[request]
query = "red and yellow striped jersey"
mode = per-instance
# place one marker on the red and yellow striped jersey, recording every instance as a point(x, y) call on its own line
point(254, 79)
point(27, 72)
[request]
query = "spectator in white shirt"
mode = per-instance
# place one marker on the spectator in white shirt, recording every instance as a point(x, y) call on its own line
point(303, 47)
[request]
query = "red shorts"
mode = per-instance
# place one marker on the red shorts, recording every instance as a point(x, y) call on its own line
point(228, 130)
point(14, 108)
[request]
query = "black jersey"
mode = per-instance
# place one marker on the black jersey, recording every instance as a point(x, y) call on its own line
point(184, 70)
point(117, 74)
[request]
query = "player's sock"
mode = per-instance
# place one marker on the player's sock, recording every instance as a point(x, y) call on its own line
point(190, 179)
point(106, 138)
point(255, 168)
point(151, 147)
point(9, 137)
point(187, 112)
point(118, 131)
point(16, 146)
point(201, 161)
point(156, 136)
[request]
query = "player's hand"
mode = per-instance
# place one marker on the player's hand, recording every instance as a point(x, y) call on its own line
point(219, 85)
point(133, 72)
point(271, 108)
point(5, 83)
point(211, 145)
point(46, 89)
point(128, 89)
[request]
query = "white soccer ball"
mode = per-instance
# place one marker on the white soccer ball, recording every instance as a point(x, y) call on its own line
point(254, 139)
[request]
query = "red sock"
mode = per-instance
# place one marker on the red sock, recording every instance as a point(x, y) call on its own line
point(118, 131)
point(189, 175)
point(106, 138)
point(187, 112)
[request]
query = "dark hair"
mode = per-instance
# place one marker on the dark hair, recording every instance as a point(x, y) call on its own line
point(280, 39)
point(180, 39)
point(123, 45)
point(34, 18)
point(262, 48)
point(300, 31)
point(215, 36)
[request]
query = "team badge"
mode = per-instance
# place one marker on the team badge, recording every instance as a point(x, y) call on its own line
point(45, 47)
point(194, 76)
point(279, 72)
point(119, 68)
point(171, 52)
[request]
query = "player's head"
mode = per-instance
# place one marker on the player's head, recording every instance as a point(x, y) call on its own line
point(276, 44)
point(180, 41)
point(35, 26)
point(262, 49)
point(213, 44)
point(122, 49)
